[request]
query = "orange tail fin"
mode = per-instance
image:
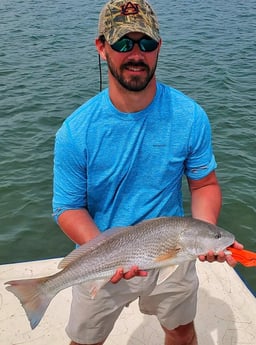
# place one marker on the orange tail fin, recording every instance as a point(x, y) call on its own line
point(245, 257)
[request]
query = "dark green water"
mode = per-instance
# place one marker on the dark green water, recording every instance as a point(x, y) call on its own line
point(48, 67)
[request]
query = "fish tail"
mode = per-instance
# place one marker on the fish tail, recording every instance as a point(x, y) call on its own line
point(32, 296)
point(245, 257)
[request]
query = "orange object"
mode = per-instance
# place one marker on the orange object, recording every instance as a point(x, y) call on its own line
point(245, 257)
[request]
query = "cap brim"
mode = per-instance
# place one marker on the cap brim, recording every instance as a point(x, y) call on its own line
point(115, 34)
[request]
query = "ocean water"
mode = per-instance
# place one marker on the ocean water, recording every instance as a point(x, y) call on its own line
point(49, 66)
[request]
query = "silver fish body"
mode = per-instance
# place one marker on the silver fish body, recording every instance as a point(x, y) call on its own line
point(150, 244)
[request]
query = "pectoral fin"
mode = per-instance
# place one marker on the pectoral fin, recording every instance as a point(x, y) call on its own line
point(167, 255)
point(165, 273)
point(94, 286)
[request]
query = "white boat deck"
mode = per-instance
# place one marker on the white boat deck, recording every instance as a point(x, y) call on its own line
point(226, 311)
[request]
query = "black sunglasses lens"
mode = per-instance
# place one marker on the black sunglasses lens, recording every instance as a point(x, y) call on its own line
point(123, 45)
point(126, 44)
point(148, 45)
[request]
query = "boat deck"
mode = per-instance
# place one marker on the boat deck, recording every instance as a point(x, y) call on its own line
point(226, 311)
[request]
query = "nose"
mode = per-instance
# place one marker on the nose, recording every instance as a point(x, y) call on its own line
point(136, 51)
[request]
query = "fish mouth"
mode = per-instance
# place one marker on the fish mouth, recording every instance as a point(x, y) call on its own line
point(228, 242)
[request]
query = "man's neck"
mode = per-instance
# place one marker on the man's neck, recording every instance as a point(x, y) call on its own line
point(132, 101)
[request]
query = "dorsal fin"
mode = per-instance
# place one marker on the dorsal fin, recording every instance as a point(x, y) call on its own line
point(86, 248)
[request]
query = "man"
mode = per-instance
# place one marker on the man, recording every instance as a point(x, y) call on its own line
point(120, 159)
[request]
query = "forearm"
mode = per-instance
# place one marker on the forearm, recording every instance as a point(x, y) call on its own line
point(78, 225)
point(206, 199)
point(206, 203)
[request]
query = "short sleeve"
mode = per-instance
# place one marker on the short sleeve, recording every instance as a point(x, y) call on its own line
point(200, 161)
point(69, 181)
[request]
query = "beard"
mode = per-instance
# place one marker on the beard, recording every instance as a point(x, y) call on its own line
point(133, 83)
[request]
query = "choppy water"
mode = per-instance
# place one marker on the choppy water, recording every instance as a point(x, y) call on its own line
point(48, 67)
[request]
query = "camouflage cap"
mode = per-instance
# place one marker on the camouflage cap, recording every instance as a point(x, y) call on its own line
point(119, 17)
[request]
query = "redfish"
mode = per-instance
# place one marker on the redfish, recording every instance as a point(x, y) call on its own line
point(156, 243)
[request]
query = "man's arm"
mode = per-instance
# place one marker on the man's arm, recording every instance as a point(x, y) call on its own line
point(206, 198)
point(78, 225)
point(206, 203)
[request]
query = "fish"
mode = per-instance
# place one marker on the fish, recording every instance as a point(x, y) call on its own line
point(245, 257)
point(163, 242)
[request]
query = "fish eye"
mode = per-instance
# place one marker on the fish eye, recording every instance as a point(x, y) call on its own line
point(217, 235)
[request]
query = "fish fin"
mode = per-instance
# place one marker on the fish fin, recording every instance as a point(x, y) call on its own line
point(245, 257)
point(96, 285)
point(172, 253)
point(31, 297)
point(77, 253)
point(165, 272)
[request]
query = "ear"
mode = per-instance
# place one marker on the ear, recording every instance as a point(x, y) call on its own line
point(100, 46)
point(160, 43)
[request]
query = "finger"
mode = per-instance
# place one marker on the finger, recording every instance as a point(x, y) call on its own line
point(132, 273)
point(202, 258)
point(237, 245)
point(221, 257)
point(135, 272)
point(231, 261)
point(210, 257)
point(117, 276)
point(142, 273)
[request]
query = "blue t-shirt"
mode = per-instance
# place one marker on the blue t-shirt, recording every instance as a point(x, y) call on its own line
point(126, 167)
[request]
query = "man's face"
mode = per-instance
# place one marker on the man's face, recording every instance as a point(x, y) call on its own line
point(135, 69)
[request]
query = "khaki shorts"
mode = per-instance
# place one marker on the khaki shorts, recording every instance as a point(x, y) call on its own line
point(173, 302)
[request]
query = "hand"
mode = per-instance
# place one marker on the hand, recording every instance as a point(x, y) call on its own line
point(221, 256)
point(134, 272)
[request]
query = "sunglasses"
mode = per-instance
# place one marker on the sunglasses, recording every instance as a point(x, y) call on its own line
point(126, 44)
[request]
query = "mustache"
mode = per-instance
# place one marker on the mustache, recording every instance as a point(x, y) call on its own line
point(135, 64)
